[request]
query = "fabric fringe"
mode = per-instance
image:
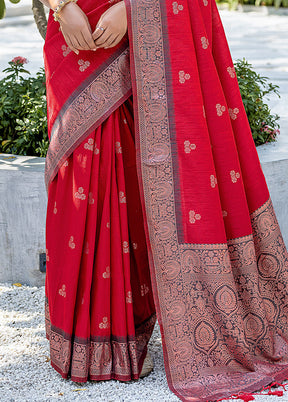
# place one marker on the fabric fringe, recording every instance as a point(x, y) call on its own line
point(246, 397)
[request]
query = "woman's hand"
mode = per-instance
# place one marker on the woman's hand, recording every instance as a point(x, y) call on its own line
point(76, 29)
point(111, 27)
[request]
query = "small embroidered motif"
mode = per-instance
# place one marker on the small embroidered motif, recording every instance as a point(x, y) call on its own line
point(106, 274)
point(122, 198)
point(62, 291)
point(86, 250)
point(144, 290)
point(96, 150)
point(177, 7)
point(55, 208)
point(135, 246)
point(118, 147)
point(220, 109)
point(204, 112)
point(47, 255)
point(80, 194)
point(89, 145)
point(83, 65)
point(183, 77)
point(125, 121)
point(233, 113)
point(91, 199)
point(205, 2)
point(82, 301)
point(66, 163)
point(213, 181)
point(224, 214)
point(66, 50)
point(125, 247)
point(193, 217)
point(231, 72)
point(71, 243)
point(108, 225)
point(188, 147)
point(129, 297)
point(82, 159)
point(205, 42)
point(104, 324)
point(234, 176)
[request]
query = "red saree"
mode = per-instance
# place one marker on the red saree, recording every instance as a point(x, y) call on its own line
point(217, 260)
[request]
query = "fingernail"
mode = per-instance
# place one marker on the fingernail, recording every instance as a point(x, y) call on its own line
point(94, 50)
point(77, 52)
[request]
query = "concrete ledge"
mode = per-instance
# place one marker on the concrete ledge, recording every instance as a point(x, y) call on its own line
point(23, 210)
point(22, 219)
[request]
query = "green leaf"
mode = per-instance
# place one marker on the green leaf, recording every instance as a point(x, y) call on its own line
point(2, 9)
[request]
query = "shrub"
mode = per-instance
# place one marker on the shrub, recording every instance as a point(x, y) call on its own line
point(23, 121)
point(254, 88)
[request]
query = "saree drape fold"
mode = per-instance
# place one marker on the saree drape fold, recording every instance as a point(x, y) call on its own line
point(217, 260)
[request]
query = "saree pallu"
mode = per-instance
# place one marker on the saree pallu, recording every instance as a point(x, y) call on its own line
point(217, 260)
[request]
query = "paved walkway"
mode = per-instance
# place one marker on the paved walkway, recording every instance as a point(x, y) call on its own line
point(25, 373)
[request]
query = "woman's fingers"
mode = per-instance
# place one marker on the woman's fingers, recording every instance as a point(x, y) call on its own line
point(100, 42)
point(88, 40)
point(115, 42)
point(99, 31)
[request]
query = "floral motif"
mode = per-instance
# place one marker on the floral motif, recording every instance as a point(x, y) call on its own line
point(144, 290)
point(66, 50)
point(220, 109)
point(129, 297)
point(205, 2)
point(183, 77)
point(193, 217)
point(80, 194)
point(55, 208)
point(231, 72)
point(83, 65)
point(213, 181)
point(89, 144)
point(188, 147)
point(205, 42)
point(107, 273)
point(104, 324)
point(135, 246)
point(177, 7)
point(62, 291)
point(71, 243)
point(233, 113)
point(125, 247)
point(118, 147)
point(108, 225)
point(224, 214)
point(96, 150)
point(122, 198)
point(234, 176)
point(66, 163)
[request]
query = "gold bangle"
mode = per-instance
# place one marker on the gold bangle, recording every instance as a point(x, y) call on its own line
point(62, 4)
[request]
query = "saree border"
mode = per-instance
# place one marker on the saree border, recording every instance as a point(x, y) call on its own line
point(98, 358)
point(175, 266)
point(89, 106)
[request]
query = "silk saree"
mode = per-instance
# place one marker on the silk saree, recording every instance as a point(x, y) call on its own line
point(198, 212)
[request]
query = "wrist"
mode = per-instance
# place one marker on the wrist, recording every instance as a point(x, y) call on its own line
point(59, 7)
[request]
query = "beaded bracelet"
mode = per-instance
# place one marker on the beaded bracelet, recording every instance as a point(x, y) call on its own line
point(59, 8)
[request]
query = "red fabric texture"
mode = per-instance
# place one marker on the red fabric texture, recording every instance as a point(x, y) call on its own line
point(98, 284)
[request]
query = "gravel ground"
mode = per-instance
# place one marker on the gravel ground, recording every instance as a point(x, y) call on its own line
point(25, 371)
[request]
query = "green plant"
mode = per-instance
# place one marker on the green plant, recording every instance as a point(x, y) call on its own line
point(3, 7)
point(254, 89)
point(23, 121)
